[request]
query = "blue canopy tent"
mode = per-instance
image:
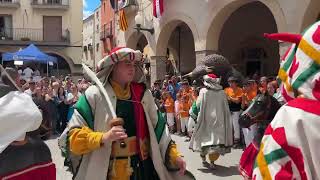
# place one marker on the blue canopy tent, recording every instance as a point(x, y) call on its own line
point(30, 53)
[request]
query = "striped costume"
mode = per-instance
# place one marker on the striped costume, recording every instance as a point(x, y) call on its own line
point(289, 148)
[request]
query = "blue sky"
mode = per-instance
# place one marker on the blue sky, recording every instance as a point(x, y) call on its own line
point(89, 6)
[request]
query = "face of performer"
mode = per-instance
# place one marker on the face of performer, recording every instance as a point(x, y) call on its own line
point(123, 72)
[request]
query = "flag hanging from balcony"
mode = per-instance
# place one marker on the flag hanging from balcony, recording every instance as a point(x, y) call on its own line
point(157, 8)
point(123, 20)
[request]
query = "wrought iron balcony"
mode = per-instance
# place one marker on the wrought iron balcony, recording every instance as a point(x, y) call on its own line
point(107, 31)
point(10, 3)
point(50, 4)
point(28, 34)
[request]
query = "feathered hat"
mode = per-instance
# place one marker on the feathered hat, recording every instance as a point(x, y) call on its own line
point(300, 66)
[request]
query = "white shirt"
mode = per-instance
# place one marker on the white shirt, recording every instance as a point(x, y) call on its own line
point(28, 72)
point(28, 91)
point(37, 73)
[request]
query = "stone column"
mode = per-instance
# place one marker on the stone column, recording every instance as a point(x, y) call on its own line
point(203, 53)
point(158, 68)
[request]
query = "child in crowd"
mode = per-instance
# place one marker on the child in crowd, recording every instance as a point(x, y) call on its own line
point(169, 106)
point(177, 114)
point(184, 107)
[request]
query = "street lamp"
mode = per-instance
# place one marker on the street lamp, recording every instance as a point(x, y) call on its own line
point(139, 20)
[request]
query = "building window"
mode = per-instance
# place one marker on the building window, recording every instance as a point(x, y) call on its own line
point(97, 47)
point(97, 15)
point(97, 27)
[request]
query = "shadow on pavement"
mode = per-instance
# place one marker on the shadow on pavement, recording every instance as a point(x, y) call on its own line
point(221, 171)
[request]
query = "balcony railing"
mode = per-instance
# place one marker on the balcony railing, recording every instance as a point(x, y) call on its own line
point(106, 31)
point(50, 4)
point(10, 3)
point(28, 34)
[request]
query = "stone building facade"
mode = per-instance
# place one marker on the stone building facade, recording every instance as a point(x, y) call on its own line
point(188, 30)
point(53, 26)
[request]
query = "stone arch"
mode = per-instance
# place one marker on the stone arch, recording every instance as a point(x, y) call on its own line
point(177, 39)
point(311, 15)
point(168, 24)
point(67, 61)
point(224, 9)
point(134, 40)
point(242, 41)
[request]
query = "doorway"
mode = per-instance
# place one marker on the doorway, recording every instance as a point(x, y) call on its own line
point(52, 28)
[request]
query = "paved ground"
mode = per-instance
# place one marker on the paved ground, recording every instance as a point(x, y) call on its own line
point(227, 165)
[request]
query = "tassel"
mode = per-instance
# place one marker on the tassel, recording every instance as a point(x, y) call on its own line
point(113, 173)
point(129, 168)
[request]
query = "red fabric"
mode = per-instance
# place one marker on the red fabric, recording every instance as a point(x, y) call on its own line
point(247, 161)
point(316, 36)
point(294, 67)
point(213, 76)
point(316, 90)
point(308, 105)
point(155, 10)
point(115, 49)
point(41, 171)
point(268, 131)
point(287, 37)
point(137, 91)
point(285, 172)
point(285, 94)
point(286, 54)
point(295, 154)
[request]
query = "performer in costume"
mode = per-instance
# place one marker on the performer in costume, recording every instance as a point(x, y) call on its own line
point(149, 153)
point(290, 145)
point(213, 132)
point(21, 157)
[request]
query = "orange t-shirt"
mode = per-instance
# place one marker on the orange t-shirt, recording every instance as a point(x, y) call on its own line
point(184, 108)
point(237, 93)
point(169, 105)
point(249, 96)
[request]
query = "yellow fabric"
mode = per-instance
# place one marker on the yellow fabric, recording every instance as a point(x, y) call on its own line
point(263, 165)
point(173, 154)
point(213, 157)
point(310, 51)
point(84, 140)
point(285, 79)
point(121, 170)
point(119, 91)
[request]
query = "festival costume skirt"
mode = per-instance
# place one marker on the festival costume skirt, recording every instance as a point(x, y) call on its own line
point(137, 170)
point(247, 161)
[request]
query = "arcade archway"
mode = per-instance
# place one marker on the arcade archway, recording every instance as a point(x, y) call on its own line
point(241, 40)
